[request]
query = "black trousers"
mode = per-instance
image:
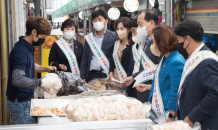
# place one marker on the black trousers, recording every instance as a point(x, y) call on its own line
point(95, 74)
point(143, 97)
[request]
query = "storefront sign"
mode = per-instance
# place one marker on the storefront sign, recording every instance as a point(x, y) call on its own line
point(88, 13)
point(151, 2)
point(131, 5)
point(113, 13)
point(76, 6)
point(97, 8)
point(81, 15)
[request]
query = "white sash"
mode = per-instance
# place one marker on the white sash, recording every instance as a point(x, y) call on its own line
point(148, 66)
point(136, 56)
point(157, 103)
point(120, 71)
point(96, 50)
point(70, 56)
point(192, 63)
point(146, 62)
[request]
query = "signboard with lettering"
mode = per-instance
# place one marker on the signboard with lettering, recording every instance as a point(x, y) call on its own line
point(131, 5)
point(76, 6)
point(113, 13)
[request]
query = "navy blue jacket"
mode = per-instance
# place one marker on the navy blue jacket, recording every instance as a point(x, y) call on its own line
point(21, 57)
point(107, 48)
point(199, 96)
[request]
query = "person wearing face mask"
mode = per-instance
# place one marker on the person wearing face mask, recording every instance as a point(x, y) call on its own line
point(167, 76)
point(22, 69)
point(147, 20)
point(98, 49)
point(122, 49)
point(66, 53)
point(130, 90)
point(198, 91)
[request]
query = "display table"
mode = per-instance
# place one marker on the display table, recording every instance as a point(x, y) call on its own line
point(142, 124)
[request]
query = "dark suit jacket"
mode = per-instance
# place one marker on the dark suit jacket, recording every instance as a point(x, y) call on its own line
point(124, 59)
point(58, 57)
point(107, 48)
point(143, 97)
point(199, 96)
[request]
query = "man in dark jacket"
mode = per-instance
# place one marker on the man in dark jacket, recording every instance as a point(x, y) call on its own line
point(90, 67)
point(147, 20)
point(198, 93)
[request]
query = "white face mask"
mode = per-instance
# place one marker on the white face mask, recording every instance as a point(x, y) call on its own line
point(141, 31)
point(69, 35)
point(122, 34)
point(98, 26)
point(137, 39)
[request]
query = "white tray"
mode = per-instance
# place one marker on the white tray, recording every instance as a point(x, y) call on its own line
point(49, 103)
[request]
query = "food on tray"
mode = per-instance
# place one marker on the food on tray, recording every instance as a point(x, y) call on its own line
point(101, 84)
point(176, 125)
point(42, 111)
point(117, 107)
point(57, 83)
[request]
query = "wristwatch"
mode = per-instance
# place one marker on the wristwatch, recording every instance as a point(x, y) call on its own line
point(171, 116)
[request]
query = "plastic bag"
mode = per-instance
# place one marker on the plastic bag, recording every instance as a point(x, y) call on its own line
point(116, 107)
point(49, 96)
point(38, 93)
point(103, 84)
point(71, 84)
point(176, 125)
point(56, 86)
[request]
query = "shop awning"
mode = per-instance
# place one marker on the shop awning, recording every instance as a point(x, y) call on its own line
point(76, 6)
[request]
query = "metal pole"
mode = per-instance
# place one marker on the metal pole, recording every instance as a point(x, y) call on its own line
point(75, 23)
point(84, 27)
point(90, 24)
point(171, 13)
point(11, 24)
point(4, 59)
point(168, 12)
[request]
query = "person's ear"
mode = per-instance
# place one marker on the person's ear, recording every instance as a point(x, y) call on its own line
point(188, 38)
point(34, 32)
point(152, 23)
point(106, 21)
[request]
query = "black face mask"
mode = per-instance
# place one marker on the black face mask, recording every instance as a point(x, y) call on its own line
point(182, 50)
point(39, 42)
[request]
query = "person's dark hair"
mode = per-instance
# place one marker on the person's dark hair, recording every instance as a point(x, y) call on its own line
point(69, 23)
point(150, 15)
point(40, 24)
point(190, 28)
point(209, 45)
point(165, 39)
point(126, 24)
point(134, 23)
point(99, 12)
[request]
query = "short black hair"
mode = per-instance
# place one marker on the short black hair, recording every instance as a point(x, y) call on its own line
point(68, 23)
point(209, 45)
point(150, 15)
point(99, 12)
point(190, 28)
point(134, 23)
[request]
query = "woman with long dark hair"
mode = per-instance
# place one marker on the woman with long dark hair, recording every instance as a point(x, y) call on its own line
point(122, 49)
